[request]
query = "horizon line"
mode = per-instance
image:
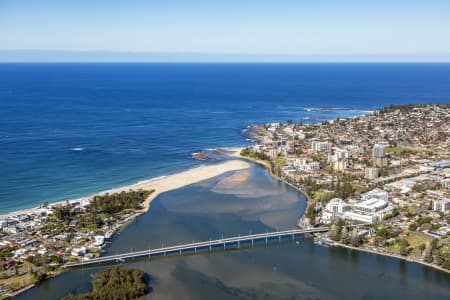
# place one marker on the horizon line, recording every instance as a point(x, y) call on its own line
point(221, 62)
point(105, 56)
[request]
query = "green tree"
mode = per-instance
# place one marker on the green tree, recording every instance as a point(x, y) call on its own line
point(115, 283)
point(434, 243)
point(412, 227)
point(422, 247)
point(404, 247)
point(345, 239)
point(355, 239)
point(40, 276)
point(311, 213)
point(334, 232)
point(384, 233)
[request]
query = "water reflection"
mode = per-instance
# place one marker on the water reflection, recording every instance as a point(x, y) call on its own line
point(251, 202)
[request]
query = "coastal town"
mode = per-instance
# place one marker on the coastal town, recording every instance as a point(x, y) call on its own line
point(35, 243)
point(381, 181)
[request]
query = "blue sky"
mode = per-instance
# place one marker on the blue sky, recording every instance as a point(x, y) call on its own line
point(308, 29)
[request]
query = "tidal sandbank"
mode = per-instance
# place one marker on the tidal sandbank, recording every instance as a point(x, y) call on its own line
point(188, 177)
point(161, 184)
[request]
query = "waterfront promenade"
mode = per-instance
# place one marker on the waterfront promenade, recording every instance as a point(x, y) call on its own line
point(194, 247)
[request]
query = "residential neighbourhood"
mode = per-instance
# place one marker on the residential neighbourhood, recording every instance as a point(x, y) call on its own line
point(380, 181)
point(35, 243)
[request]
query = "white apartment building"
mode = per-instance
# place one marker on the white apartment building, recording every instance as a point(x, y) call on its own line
point(336, 206)
point(442, 205)
point(320, 146)
point(375, 193)
point(365, 218)
point(378, 150)
point(338, 154)
point(371, 173)
point(302, 165)
point(374, 202)
point(340, 165)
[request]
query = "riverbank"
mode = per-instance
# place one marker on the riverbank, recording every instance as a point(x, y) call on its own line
point(188, 177)
point(405, 258)
point(158, 186)
point(236, 153)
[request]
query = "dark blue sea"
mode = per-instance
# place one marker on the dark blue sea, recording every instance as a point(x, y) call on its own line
point(68, 130)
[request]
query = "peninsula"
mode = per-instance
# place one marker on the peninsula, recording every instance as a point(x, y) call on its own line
point(381, 181)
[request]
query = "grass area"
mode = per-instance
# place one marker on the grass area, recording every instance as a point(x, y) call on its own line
point(17, 282)
point(395, 247)
point(445, 249)
point(358, 187)
point(400, 150)
point(322, 196)
point(395, 150)
point(409, 208)
point(281, 160)
point(415, 240)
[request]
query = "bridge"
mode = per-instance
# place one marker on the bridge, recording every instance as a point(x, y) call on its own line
point(192, 248)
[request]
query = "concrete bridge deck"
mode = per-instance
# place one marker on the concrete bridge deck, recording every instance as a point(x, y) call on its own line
point(224, 244)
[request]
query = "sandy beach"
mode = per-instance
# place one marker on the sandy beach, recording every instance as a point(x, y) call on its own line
point(188, 177)
point(161, 184)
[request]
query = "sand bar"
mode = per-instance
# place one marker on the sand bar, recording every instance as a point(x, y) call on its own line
point(188, 177)
point(162, 184)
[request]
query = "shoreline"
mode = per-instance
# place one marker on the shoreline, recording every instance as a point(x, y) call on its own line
point(181, 179)
point(185, 178)
point(160, 184)
point(267, 166)
point(392, 255)
point(236, 152)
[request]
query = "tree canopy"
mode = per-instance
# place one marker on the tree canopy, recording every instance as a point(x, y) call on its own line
point(115, 284)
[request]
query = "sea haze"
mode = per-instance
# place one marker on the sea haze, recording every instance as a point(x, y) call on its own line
point(68, 130)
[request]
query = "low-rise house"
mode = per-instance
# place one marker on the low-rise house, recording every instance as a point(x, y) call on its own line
point(78, 251)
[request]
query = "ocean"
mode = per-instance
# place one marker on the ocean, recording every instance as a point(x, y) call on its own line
point(69, 130)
